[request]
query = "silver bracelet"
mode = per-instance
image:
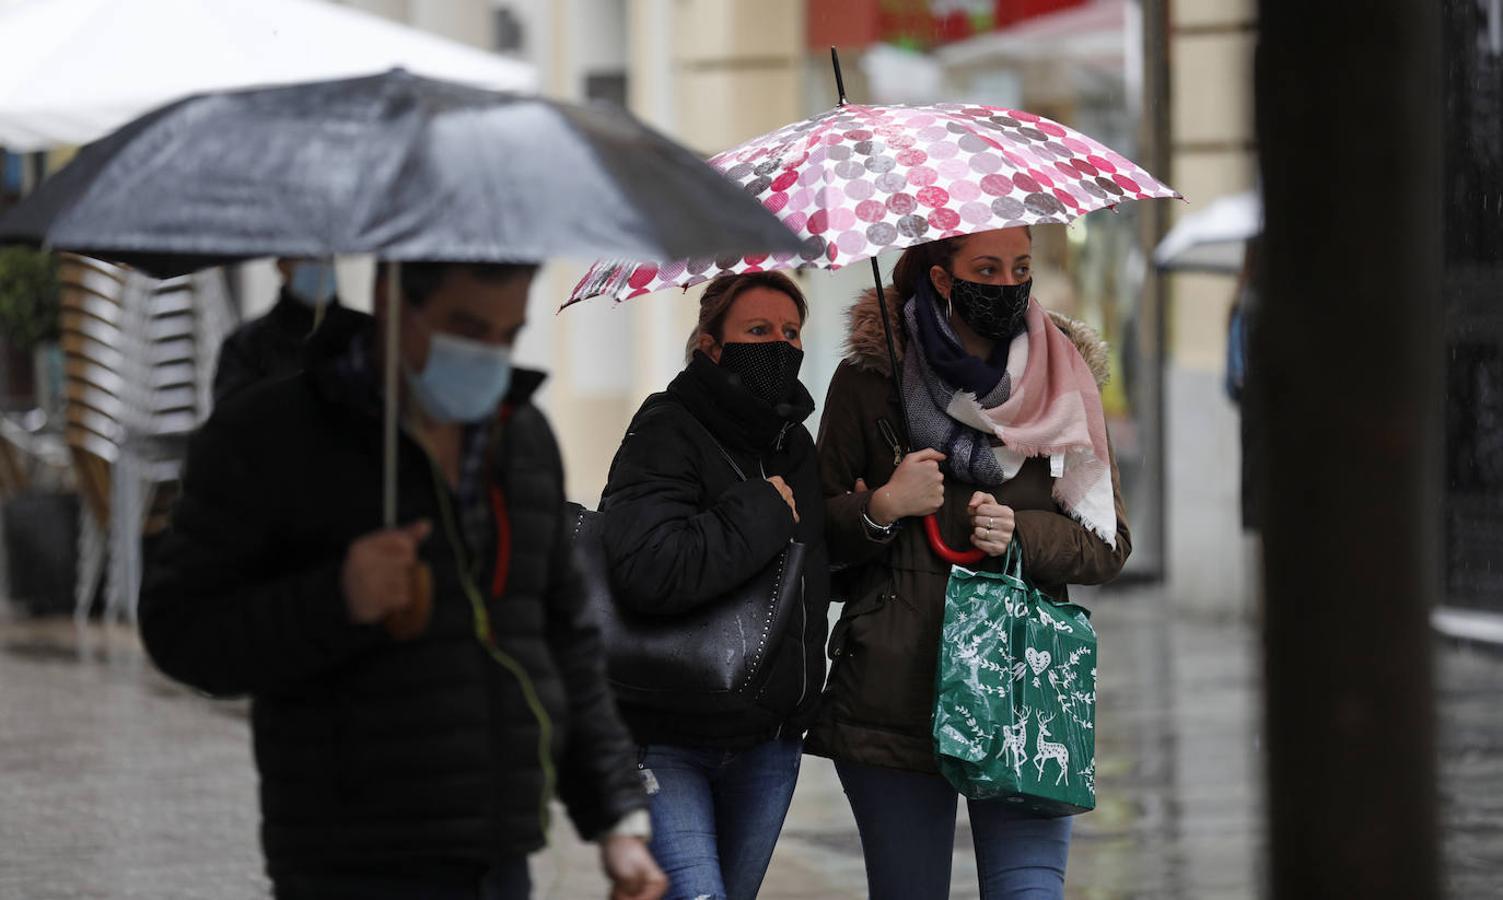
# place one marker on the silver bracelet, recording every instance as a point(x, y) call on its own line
point(878, 532)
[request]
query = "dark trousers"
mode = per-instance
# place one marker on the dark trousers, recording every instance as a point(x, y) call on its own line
point(508, 881)
point(907, 825)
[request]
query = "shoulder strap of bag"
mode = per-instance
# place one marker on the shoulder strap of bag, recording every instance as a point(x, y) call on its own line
point(724, 454)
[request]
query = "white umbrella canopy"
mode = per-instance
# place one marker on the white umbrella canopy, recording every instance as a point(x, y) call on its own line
point(1213, 239)
point(72, 71)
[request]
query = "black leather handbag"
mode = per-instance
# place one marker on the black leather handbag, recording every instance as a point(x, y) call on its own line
point(698, 660)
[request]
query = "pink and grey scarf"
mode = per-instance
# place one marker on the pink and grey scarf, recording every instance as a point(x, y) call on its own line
point(1044, 402)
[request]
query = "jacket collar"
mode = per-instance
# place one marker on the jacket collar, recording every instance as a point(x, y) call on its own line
point(295, 317)
point(733, 414)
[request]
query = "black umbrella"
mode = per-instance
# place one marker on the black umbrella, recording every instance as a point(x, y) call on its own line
point(403, 167)
point(397, 165)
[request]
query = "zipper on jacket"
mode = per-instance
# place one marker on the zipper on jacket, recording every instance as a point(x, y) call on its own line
point(777, 445)
point(487, 638)
point(803, 657)
point(891, 438)
point(803, 649)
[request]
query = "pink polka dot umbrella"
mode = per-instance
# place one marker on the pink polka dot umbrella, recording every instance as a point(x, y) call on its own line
point(857, 181)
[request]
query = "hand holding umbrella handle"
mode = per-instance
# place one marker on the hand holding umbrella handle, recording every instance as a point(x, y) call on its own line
point(384, 581)
point(931, 522)
point(945, 551)
point(411, 621)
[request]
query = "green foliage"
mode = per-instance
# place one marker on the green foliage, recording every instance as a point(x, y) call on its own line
point(28, 297)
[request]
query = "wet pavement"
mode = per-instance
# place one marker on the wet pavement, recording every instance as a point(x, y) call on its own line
point(116, 783)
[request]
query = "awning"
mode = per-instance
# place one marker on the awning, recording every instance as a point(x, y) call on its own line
point(72, 71)
point(1213, 239)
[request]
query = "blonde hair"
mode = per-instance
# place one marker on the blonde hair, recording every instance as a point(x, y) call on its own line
point(720, 295)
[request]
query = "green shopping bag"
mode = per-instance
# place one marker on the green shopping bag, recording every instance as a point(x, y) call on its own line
point(1015, 693)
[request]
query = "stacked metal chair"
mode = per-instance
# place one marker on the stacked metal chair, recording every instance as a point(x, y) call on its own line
point(139, 359)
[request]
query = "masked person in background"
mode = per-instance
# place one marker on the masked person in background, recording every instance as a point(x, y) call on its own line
point(273, 345)
point(1010, 446)
point(714, 478)
point(406, 749)
point(1241, 320)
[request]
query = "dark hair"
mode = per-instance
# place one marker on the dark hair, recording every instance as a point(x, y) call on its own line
point(421, 279)
point(912, 268)
point(721, 293)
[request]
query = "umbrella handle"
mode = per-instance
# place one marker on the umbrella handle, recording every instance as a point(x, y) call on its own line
point(945, 551)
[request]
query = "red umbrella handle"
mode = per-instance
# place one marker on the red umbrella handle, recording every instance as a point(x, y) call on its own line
point(944, 551)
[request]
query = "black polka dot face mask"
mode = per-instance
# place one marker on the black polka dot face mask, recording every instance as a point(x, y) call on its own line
point(768, 369)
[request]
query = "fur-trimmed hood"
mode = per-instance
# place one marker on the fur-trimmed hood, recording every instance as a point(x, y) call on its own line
point(866, 348)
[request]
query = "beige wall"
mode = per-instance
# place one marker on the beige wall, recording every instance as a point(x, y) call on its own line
point(737, 68)
point(468, 21)
point(709, 73)
point(1211, 47)
point(1211, 563)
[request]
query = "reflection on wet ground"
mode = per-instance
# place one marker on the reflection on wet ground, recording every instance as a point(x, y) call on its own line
point(1471, 766)
point(119, 784)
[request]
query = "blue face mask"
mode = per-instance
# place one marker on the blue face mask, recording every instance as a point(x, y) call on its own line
point(312, 282)
point(463, 381)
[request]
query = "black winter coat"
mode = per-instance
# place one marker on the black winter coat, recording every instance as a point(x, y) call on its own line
point(680, 530)
point(273, 346)
point(376, 755)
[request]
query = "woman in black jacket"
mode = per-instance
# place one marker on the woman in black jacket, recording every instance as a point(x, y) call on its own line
point(682, 528)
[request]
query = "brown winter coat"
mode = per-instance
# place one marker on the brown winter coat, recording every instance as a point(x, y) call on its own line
point(878, 701)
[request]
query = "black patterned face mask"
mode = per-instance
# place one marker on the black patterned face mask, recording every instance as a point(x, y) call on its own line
point(768, 369)
point(994, 311)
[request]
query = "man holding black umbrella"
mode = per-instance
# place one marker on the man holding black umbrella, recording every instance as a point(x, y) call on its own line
point(418, 692)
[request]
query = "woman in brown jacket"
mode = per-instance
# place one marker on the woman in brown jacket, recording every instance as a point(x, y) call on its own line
point(1010, 445)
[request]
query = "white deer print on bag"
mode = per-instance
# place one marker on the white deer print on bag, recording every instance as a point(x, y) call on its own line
point(1049, 750)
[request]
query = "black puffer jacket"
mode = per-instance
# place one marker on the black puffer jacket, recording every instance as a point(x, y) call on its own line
point(681, 529)
point(420, 756)
point(274, 345)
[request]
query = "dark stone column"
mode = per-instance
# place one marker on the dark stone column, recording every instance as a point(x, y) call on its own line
point(1348, 376)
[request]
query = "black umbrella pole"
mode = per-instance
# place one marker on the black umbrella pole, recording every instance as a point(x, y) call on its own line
point(389, 419)
point(839, 78)
point(892, 355)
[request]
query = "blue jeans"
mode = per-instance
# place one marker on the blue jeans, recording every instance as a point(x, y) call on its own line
point(907, 825)
point(716, 814)
point(508, 881)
